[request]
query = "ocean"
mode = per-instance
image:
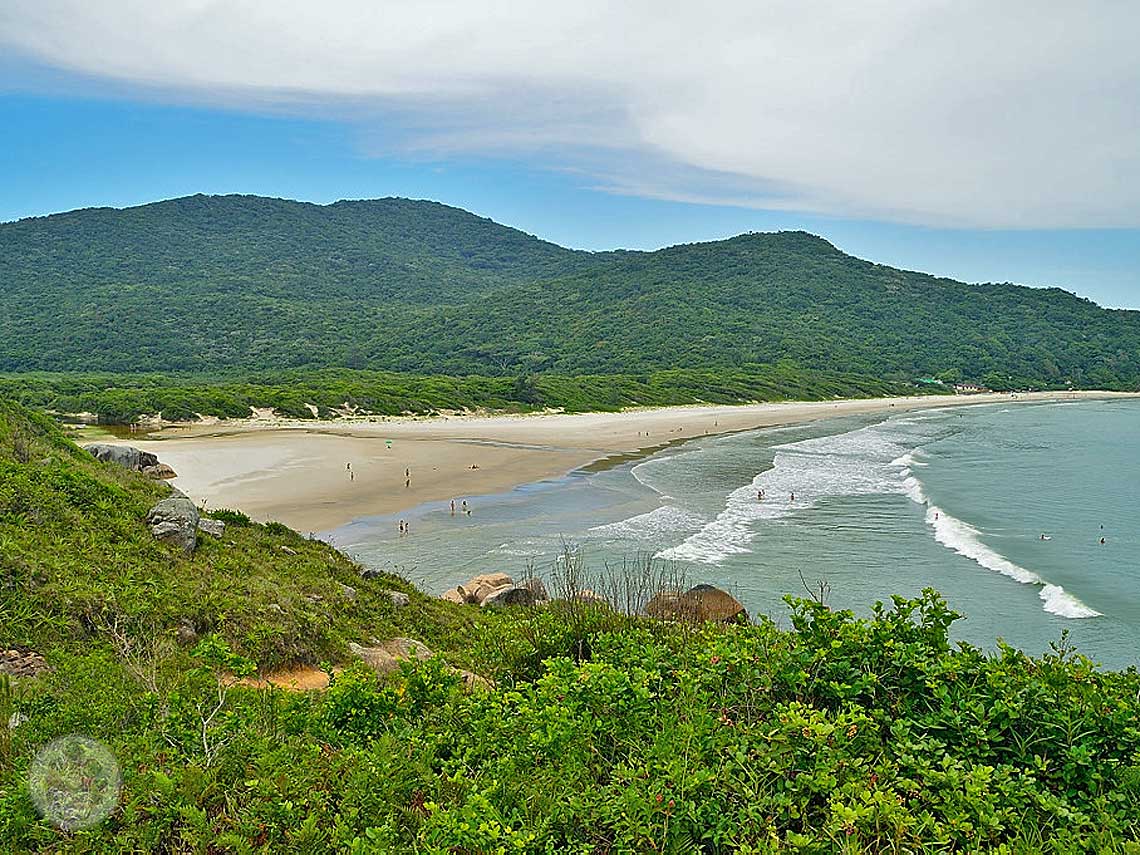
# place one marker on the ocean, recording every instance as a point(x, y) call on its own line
point(1000, 507)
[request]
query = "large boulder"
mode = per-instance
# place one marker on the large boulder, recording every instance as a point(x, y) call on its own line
point(126, 456)
point(387, 655)
point(699, 604)
point(175, 521)
point(511, 595)
point(161, 471)
point(476, 590)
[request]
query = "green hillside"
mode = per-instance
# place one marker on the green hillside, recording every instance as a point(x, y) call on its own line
point(239, 283)
point(602, 732)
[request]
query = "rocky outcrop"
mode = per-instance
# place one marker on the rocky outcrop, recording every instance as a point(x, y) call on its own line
point(511, 595)
point(698, 604)
point(126, 456)
point(21, 663)
point(387, 656)
point(175, 521)
point(214, 528)
point(497, 589)
point(480, 587)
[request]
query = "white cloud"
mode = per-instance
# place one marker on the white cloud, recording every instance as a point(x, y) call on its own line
point(1011, 114)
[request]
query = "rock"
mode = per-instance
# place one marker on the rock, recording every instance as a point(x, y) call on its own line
point(288, 550)
point(455, 595)
point(126, 456)
point(700, 603)
point(478, 588)
point(370, 573)
point(186, 634)
point(160, 471)
point(512, 595)
point(399, 598)
point(214, 528)
point(17, 718)
point(387, 655)
point(175, 521)
point(348, 591)
point(21, 663)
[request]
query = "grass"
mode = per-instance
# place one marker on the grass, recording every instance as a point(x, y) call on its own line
point(602, 731)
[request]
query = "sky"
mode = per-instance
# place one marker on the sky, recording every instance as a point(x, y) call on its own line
point(987, 142)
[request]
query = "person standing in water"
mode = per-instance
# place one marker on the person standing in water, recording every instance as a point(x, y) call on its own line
point(453, 507)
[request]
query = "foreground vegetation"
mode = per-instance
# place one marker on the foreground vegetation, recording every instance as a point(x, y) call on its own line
point(205, 284)
point(121, 399)
point(601, 732)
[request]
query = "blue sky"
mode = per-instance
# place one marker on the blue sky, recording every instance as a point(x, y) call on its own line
point(597, 162)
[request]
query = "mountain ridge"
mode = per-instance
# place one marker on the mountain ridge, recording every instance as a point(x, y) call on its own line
point(238, 282)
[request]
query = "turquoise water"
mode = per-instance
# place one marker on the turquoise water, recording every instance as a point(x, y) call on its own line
point(954, 499)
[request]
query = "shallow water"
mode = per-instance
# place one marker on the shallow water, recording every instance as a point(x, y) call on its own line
point(953, 499)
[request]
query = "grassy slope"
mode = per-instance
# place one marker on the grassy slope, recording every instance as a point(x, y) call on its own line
point(604, 734)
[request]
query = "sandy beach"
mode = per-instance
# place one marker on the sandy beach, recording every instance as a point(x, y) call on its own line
point(316, 476)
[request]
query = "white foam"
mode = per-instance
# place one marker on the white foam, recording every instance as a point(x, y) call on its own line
point(1059, 602)
point(963, 538)
point(655, 524)
point(860, 462)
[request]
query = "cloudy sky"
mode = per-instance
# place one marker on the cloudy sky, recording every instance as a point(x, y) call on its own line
point(989, 141)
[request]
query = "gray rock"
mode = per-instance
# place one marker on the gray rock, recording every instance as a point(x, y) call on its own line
point(399, 598)
point(288, 550)
point(512, 595)
point(348, 591)
point(175, 521)
point(370, 573)
point(126, 456)
point(214, 528)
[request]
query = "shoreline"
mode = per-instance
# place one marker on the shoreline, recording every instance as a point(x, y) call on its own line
point(318, 476)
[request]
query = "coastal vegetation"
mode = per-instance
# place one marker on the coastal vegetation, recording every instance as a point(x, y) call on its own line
point(326, 393)
point(589, 728)
point(208, 287)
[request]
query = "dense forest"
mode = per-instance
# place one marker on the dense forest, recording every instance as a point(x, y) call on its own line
point(580, 726)
point(208, 285)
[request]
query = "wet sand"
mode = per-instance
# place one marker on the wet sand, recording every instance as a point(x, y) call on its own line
point(297, 472)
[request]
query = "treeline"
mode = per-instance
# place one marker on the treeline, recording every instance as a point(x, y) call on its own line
point(122, 399)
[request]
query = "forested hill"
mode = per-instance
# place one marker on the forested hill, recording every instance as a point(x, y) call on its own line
point(209, 284)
